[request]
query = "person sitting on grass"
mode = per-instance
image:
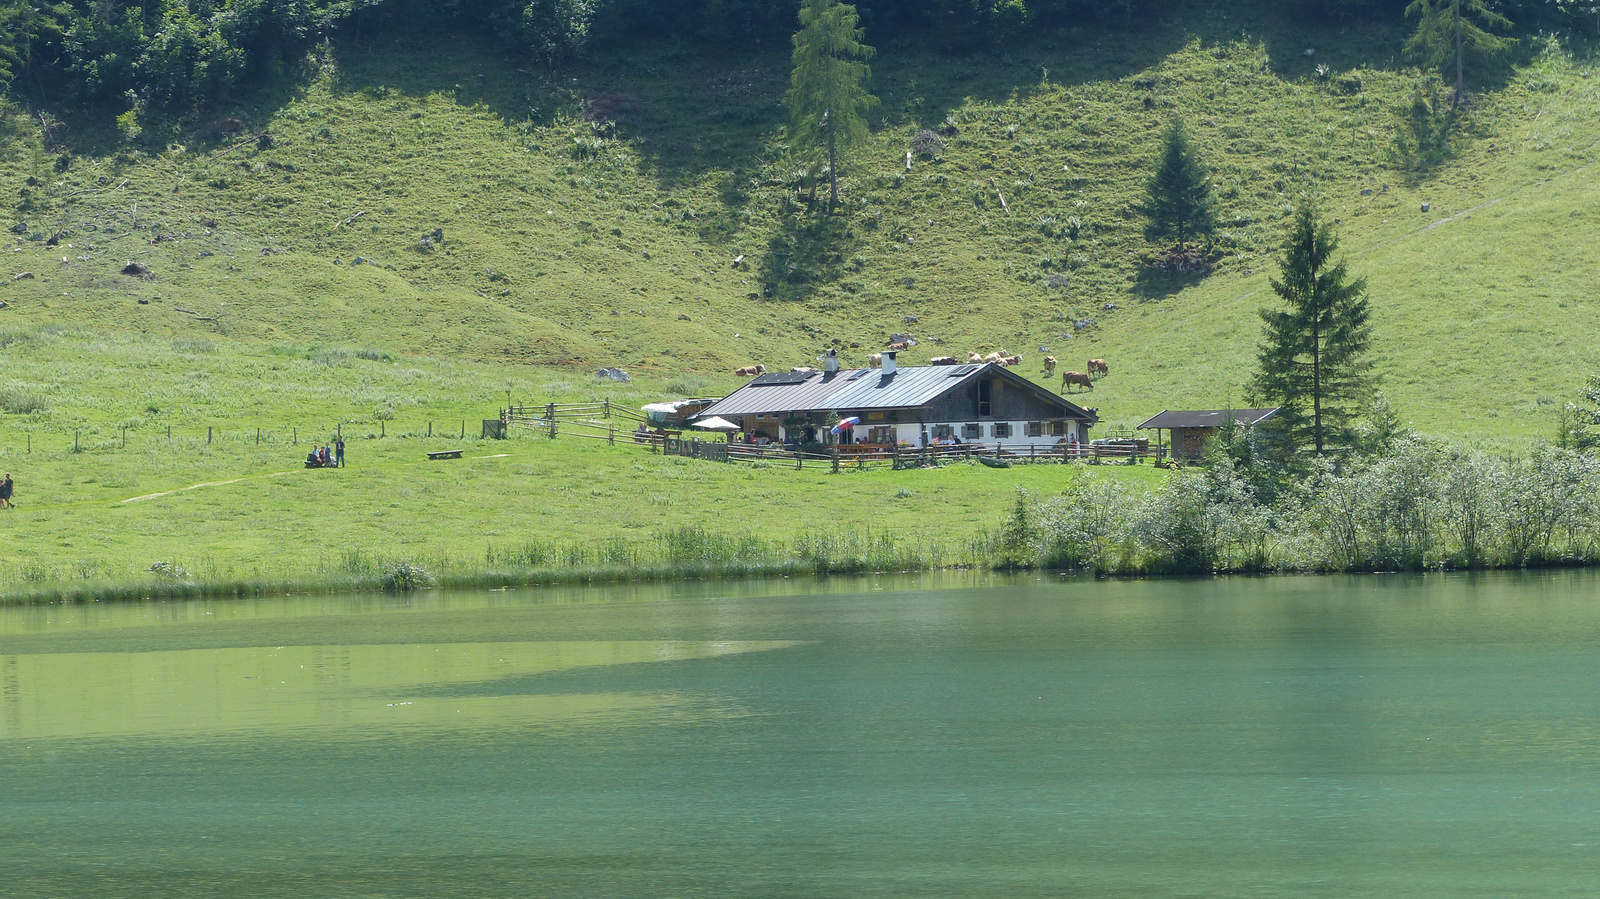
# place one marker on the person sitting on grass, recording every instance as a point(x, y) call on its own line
point(311, 457)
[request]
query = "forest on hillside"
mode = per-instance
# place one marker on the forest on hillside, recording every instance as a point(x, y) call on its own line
point(172, 60)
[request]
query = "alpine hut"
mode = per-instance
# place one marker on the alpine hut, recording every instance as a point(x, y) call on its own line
point(914, 405)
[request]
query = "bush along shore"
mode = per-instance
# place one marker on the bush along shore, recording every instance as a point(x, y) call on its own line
point(1417, 505)
point(678, 554)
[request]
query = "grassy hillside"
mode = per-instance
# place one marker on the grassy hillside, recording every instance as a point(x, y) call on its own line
point(571, 241)
point(593, 218)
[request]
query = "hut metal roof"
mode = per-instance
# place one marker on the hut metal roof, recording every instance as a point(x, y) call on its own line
point(908, 387)
point(1214, 418)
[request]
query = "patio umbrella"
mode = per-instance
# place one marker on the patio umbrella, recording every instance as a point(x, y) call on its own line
point(846, 424)
point(715, 423)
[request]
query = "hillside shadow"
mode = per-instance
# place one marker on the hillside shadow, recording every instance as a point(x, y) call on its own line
point(808, 249)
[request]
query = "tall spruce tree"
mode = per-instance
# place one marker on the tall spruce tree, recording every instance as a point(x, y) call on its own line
point(1312, 361)
point(828, 93)
point(1447, 29)
point(1179, 199)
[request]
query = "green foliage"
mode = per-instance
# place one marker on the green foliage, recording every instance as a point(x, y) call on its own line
point(1013, 546)
point(22, 401)
point(1178, 196)
point(1579, 428)
point(406, 577)
point(1449, 29)
point(828, 89)
point(1422, 505)
point(1312, 361)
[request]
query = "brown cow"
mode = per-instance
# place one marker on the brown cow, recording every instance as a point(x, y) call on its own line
point(944, 360)
point(900, 345)
point(1099, 367)
point(750, 371)
point(1011, 360)
point(1079, 378)
point(1049, 366)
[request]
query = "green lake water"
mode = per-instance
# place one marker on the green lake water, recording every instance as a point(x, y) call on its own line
point(1384, 736)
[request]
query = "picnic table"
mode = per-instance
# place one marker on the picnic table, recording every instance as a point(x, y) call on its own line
point(445, 454)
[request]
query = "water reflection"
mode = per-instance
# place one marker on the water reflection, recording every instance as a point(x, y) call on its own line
point(332, 691)
point(1421, 736)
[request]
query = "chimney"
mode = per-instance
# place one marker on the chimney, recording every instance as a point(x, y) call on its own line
point(830, 361)
point(888, 362)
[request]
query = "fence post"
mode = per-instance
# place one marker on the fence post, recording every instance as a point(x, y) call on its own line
point(169, 433)
point(430, 429)
point(258, 436)
point(208, 435)
point(835, 455)
point(611, 432)
point(74, 440)
point(124, 438)
point(463, 429)
point(383, 429)
point(297, 435)
point(30, 444)
point(608, 407)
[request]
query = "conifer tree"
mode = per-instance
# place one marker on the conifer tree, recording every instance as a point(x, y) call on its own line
point(1447, 29)
point(828, 93)
point(1312, 361)
point(1179, 202)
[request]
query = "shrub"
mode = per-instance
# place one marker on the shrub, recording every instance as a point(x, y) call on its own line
point(927, 143)
point(405, 577)
point(169, 571)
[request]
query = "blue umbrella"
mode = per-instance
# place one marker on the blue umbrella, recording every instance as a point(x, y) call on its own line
point(845, 424)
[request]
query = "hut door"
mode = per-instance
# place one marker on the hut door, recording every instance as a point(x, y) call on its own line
point(985, 395)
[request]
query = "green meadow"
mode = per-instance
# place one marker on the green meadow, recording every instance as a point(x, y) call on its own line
point(430, 227)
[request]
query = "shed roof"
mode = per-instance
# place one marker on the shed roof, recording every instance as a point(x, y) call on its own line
point(1213, 418)
point(860, 389)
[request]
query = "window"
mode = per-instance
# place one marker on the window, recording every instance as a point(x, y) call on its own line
point(1058, 429)
point(1002, 429)
point(880, 435)
point(972, 432)
point(943, 432)
point(1035, 429)
point(984, 394)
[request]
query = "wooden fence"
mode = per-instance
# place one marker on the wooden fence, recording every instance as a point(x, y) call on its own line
point(593, 421)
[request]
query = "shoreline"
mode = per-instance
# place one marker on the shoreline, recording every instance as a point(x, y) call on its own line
point(600, 576)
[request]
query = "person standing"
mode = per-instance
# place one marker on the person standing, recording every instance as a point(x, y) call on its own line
point(338, 451)
point(6, 489)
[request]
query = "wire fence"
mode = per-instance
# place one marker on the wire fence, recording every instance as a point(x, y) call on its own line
point(103, 439)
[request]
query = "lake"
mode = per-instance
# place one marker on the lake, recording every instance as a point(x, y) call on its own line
point(939, 736)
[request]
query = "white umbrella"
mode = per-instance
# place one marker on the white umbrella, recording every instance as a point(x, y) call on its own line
point(715, 423)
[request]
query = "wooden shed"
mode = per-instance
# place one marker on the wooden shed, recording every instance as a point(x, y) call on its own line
point(1191, 429)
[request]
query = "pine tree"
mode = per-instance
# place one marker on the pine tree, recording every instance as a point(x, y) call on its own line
point(1446, 30)
point(1180, 202)
point(1312, 360)
point(828, 93)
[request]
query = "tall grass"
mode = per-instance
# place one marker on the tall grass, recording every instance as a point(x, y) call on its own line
point(22, 401)
point(677, 554)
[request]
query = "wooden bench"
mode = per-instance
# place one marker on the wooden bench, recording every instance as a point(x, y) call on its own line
point(445, 454)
